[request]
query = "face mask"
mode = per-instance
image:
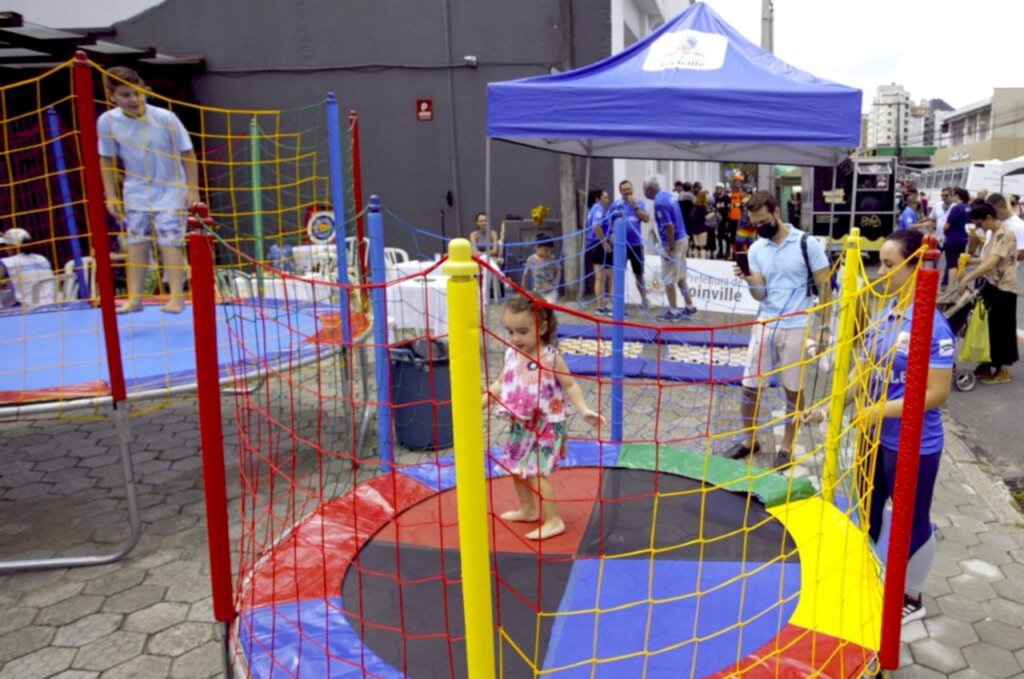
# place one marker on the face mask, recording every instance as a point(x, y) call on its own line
point(768, 230)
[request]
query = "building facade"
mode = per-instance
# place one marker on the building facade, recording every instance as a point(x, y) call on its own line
point(990, 129)
point(889, 118)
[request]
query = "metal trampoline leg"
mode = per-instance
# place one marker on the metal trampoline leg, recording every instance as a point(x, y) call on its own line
point(123, 437)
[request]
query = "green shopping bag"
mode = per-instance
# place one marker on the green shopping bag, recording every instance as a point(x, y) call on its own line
point(975, 348)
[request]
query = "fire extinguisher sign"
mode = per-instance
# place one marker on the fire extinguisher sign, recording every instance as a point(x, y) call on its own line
point(424, 109)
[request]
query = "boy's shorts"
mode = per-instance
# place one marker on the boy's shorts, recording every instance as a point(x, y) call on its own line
point(170, 227)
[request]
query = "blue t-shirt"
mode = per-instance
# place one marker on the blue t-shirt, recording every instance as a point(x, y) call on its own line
point(907, 218)
point(667, 211)
point(595, 216)
point(890, 330)
point(633, 234)
point(956, 233)
point(785, 274)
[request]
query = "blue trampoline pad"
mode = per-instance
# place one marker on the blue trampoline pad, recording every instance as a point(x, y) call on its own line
point(60, 347)
point(727, 615)
point(675, 335)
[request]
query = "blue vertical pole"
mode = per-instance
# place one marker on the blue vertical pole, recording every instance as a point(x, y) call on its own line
point(381, 360)
point(53, 123)
point(618, 312)
point(337, 189)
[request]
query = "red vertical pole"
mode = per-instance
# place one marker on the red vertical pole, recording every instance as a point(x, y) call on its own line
point(357, 193)
point(907, 459)
point(204, 321)
point(96, 216)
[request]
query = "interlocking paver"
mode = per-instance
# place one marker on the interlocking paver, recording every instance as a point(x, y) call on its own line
point(199, 662)
point(119, 581)
point(69, 610)
point(993, 554)
point(982, 569)
point(140, 666)
point(969, 674)
point(42, 663)
point(76, 674)
point(87, 630)
point(961, 607)
point(1000, 634)
point(190, 591)
point(917, 672)
point(110, 651)
point(24, 641)
point(157, 617)
point(180, 638)
point(949, 630)
point(972, 587)
point(991, 660)
point(955, 534)
point(134, 599)
point(47, 596)
point(17, 618)
point(938, 656)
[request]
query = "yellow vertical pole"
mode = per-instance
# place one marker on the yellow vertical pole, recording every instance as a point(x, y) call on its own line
point(961, 264)
point(844, 354)
point(470, 479)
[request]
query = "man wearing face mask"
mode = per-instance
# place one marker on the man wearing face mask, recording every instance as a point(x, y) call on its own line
point(778, 275)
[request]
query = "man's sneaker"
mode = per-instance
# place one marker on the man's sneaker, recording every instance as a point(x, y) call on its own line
point(913, 609)
point(669, 315)
point(687, 311)
point(603, 311)
point(1000, 377)
point(740, 451)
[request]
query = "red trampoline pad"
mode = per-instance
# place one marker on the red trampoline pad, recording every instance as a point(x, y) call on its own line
point(433, 522)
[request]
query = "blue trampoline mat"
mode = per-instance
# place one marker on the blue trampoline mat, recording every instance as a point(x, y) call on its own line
point(673, 371)
point(60, 347)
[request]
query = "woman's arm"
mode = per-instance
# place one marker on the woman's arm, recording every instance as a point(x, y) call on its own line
point(936, 392)
point(990, 262)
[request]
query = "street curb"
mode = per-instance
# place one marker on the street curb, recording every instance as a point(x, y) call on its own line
point(991, 488)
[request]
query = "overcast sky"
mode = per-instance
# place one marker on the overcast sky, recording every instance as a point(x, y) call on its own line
point(943, 49)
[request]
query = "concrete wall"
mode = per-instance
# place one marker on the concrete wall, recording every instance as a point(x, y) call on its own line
point(250, 45)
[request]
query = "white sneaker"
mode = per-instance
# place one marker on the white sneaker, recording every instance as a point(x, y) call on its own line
point(913, 609)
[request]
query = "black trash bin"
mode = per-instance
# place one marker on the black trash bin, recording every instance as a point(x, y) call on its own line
point(421, 395)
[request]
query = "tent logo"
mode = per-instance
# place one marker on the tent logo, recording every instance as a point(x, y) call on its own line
point(689, 49)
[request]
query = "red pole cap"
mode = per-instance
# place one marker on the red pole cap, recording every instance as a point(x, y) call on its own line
point(932, 254)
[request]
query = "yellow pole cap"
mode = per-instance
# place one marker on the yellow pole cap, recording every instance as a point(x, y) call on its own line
point(460, 259)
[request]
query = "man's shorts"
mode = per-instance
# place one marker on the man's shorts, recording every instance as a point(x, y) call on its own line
point(772, 348)
point(673, 265)
point(598, 257)
point(170, 227)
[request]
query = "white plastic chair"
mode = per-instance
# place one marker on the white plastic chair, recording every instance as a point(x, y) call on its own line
point(69, 281)
point(395, 255)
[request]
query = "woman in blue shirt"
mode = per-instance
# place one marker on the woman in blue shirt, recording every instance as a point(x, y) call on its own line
point(956, 234)
point(886, 343)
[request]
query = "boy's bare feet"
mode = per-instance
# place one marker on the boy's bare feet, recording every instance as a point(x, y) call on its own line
point(519, 515)
point(548, 530)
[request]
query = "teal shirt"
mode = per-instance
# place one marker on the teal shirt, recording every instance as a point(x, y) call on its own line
point(785, 274)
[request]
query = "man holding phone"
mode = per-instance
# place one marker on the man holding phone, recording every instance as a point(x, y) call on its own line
point(633, 212)
point(778, 273)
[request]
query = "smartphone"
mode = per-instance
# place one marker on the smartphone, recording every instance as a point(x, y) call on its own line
point(742, 262)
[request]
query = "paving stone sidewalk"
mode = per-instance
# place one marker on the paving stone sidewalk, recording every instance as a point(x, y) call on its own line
point(150, 614)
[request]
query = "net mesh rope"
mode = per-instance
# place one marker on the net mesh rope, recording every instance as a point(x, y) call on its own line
point(263, 174)
point(674, 556)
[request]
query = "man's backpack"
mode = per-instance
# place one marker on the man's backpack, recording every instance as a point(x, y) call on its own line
point(812, 286)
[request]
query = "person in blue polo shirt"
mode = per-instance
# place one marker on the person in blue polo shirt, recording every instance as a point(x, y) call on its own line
point(908, 218)
point(599, 249)
point(633, 214)
point(779, 278)
point(668, 217)
point(887, 342)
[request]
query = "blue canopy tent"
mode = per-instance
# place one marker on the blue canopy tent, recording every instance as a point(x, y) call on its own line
point(695, 89)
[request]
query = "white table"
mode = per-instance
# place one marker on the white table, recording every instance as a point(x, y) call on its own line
point(419, 304)
point(410, 268)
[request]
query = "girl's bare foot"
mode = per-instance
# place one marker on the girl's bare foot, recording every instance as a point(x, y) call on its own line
point(129, 307)
point(175, 306)
point(519, 515)
point(548, 530)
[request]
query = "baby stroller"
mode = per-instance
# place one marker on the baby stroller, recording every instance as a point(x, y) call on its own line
point(956, 308)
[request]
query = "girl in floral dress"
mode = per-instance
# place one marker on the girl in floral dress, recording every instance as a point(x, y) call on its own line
point(532, 390)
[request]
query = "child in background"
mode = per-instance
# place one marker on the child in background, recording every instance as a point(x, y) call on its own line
point(543, 269)
point(532, 390)
point(160, 182)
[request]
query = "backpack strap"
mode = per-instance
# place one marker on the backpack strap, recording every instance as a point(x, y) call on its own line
point(812, 288)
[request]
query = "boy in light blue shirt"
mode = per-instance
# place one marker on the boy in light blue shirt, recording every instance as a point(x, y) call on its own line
point(779, 277)
point(160, 182)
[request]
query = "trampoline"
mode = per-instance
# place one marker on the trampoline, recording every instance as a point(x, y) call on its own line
point(689, 568)
point(55, 358)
